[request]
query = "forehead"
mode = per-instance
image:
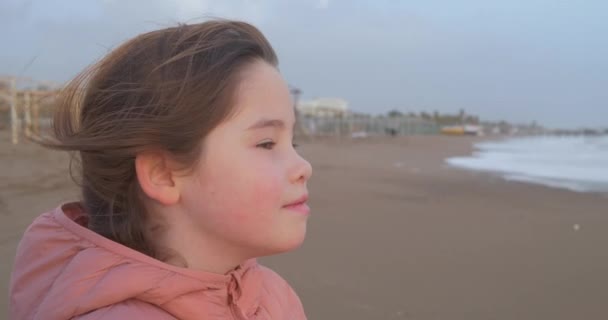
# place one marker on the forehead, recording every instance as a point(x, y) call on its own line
point(262, 93)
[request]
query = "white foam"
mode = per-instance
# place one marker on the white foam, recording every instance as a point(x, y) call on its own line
point(574, 163)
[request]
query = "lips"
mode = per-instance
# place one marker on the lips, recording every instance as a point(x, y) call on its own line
point(299, 205)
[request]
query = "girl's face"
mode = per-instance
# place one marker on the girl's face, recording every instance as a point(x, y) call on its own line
point(248, 190)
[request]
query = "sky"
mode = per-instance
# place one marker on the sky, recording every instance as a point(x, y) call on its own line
point(517, 60)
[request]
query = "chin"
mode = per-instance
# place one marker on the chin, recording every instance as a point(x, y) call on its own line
point(292, 242)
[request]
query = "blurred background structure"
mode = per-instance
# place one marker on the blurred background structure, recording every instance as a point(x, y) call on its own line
point(26, 105)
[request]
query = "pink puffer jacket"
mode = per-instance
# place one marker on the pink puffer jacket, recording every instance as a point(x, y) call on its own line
point(65, 271)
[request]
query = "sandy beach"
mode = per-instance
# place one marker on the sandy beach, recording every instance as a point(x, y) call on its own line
point(396, 234)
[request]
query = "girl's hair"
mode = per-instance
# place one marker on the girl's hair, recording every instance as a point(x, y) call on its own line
point(163, 90)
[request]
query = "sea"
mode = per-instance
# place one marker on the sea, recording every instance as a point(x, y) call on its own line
point(577, 163)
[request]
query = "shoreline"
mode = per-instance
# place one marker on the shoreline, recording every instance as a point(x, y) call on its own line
point(483, 159)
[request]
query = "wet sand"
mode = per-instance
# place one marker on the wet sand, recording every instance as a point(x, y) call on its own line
point(396, 234)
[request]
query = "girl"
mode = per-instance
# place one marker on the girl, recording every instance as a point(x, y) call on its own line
point(188, 173)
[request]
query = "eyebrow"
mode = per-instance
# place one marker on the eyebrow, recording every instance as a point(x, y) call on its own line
point(268, 123)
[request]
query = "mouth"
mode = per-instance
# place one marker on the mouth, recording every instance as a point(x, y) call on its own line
point(299, 205)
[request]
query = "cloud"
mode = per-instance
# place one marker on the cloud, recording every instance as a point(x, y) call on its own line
point(187, 9)
point(323, 4)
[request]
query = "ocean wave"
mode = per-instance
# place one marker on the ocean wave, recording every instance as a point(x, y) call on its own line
point(573, 163)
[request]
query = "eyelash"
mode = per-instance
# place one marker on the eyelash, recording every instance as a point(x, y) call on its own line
point(268, 145)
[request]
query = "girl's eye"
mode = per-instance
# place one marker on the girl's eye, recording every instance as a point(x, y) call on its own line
point(266, 145)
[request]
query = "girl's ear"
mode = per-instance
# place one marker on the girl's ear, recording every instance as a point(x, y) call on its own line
point(156, 177)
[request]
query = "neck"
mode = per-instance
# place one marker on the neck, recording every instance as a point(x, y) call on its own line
point(185, 246)
point(197, 254)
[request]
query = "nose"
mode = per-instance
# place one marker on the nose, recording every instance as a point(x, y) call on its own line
point(301, 170)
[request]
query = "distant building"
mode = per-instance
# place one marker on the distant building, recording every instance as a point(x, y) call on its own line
point(323, 108)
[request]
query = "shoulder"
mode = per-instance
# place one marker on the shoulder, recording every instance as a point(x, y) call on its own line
point(279, 295)
point(273, 280)
point(129, 309)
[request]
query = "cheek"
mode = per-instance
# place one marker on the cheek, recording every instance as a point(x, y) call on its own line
point(257, 196)
point(240, 194)
point(239, 201)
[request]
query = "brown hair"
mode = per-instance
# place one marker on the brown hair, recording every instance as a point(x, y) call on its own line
point(165, 89)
